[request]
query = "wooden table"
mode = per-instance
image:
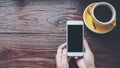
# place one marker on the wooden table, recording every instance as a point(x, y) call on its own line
point(31, 31)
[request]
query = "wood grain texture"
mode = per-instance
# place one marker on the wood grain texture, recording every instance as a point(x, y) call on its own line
point(32, 41)
point(31, 31)
point(35, 17)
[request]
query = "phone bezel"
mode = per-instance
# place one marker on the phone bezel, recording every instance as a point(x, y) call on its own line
point(74, 23)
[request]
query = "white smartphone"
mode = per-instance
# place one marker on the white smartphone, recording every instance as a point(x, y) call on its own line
point(74, 38)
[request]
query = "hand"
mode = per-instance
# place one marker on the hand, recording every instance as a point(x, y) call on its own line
point(61, 57)
point(87, 61)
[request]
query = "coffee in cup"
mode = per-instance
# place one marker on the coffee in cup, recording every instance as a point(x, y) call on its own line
point(100, 17)
point(102, 13)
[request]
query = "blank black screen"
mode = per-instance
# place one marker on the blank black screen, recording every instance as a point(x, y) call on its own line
point(75, 38)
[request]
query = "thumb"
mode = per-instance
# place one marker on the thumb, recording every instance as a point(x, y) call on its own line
point(87, 48)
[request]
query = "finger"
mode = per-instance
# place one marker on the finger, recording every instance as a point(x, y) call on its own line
point(87, 49)
point(59, 52)
point(76, 57)
point(80, 62)
point(60, 49)
point(64, 55)
point(63, 46)
point(58, 56)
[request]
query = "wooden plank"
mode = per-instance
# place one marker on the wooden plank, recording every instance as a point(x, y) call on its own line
point(11, 57)
point(36, 17)
point(37, 50)
point(32, 41)
point(29, 50)
point(31, 58)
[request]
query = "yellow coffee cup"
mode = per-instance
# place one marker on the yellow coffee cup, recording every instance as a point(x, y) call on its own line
point(100, 17)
